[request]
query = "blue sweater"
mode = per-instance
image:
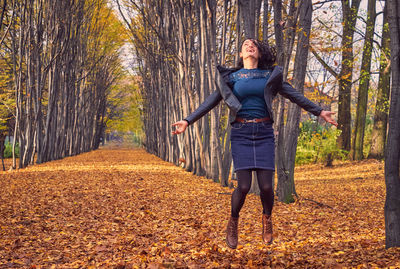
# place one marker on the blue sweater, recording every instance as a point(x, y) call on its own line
point(248, 87)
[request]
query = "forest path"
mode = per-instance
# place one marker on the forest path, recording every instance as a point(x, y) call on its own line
point(125, 208)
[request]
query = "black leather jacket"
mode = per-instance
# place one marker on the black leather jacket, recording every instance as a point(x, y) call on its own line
point(275, 85)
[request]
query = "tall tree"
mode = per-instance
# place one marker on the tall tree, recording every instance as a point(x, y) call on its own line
point(349, 18)
point(365, 76)
point(392, 156)
point(378, 136)
point(250, 11)
point(287, 149)
point(285, 33)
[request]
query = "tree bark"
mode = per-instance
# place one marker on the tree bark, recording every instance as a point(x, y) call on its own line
point(392, 156)
point(346, 73)
point(2, 140)
point(378, 136)
point(286, 161)
point(365, 76)
point(248, 8)
point(265, 21)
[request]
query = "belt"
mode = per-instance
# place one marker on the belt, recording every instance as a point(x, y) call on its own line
point(252, 120)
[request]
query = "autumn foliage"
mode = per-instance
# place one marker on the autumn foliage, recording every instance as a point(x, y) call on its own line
point(125, 208)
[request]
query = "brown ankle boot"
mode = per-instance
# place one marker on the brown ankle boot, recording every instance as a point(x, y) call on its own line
point(232, 232)
point(267, 229)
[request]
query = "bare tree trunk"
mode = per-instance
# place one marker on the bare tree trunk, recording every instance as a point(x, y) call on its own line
point(204, 89)
point(248, 12)
point(15, 52)
point(284, 46)
point(225, 136)
point(238, 31)
point(286, 161)
point(215, 149)
point(280, 49)
point(265, 21)
point(2, 140)
point(392, 157)
point(365, 76)
point(346, 73)
point(290, 33)
point(378, 136)
point(20, 119)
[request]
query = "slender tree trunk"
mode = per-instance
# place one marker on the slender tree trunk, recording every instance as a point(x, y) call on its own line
point(248, 8)
point(2, 140)
point(378, 136)
point(226, 151)
point(204, 134)
point(238, 31)
point(346, 74)
point(290, 33)
point(278, 27)
point(284, 46)
point(20, 119)
point(365, 76)
point(392, 156)
point(265, 21)
point(215, 147)
point(286, 186)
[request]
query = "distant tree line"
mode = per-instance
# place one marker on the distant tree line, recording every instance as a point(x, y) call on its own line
point(59, 59)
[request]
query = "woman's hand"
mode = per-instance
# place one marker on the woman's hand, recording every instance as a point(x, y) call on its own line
point(180, 126)
point(327, 116)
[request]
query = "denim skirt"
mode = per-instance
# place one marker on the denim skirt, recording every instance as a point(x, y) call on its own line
point(253, 145)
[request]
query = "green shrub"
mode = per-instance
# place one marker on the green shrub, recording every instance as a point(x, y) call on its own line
point(8, 150)
point(317, 143)
point(304, 155)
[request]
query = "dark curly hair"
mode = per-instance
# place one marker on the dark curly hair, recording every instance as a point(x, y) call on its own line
point(268, 54)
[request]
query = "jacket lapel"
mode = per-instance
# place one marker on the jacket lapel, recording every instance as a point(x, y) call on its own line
point(275, 78)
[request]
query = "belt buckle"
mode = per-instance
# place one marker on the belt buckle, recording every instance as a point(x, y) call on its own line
point(247, 121)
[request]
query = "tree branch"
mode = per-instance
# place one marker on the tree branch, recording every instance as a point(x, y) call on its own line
point(320, 4)
point(329, 28)
point(163, 43)
point(324, 64)
point(318, 203)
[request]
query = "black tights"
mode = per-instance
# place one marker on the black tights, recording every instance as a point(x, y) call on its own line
point(264, 178)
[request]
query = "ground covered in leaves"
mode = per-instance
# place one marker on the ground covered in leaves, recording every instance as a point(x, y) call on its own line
point(125, 208)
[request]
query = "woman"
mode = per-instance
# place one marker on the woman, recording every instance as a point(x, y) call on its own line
point(248, 91)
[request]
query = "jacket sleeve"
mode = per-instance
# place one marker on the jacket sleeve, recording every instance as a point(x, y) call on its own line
point(298, 98)
point(209, 103)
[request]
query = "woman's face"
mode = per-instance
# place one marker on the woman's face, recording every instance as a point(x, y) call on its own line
point(249, 49)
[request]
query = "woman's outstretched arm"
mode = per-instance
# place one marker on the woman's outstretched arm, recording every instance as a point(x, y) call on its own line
point(209, 103)
point(180, 126)
point(327, 116)
point(298, 98)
